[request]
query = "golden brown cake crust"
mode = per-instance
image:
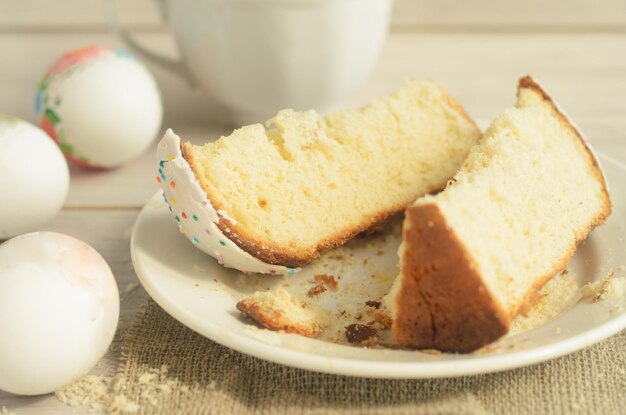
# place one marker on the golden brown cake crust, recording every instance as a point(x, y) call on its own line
point(529, 83)
point(271, 253)
point(443, 303)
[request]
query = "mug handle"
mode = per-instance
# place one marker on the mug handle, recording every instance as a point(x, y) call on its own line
point(175, 66)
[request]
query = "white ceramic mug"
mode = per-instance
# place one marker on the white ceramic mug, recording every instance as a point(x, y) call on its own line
point(256, 57)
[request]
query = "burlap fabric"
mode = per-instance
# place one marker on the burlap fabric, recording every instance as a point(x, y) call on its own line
point(217, 380)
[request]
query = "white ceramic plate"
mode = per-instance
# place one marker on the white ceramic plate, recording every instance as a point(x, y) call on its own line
point(201, 294)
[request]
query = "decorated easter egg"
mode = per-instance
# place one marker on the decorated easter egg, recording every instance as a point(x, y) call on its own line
point(34, 178)
point(100, 105)
point(59, 309)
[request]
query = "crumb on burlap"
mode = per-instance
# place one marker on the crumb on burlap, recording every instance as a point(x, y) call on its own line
point(109, 394)
point(90, 390)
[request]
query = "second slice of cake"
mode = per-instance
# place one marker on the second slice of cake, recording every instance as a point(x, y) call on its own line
point(269, 199)
point(475, 254)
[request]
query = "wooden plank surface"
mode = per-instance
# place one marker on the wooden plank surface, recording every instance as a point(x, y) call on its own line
point(40, 15)
point(512, 14)
point(553, 14)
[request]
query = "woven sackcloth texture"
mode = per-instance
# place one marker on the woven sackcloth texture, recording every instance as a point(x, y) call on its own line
point(209, 378)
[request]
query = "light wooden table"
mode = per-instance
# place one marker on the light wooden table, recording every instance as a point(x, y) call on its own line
point(584, 70)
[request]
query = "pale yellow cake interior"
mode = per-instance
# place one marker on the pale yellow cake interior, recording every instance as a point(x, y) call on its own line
point(305, 179)
point(524, 196)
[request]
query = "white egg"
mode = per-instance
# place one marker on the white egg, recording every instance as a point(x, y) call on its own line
point(59, 309)
point(34, 178)
point(100, 105)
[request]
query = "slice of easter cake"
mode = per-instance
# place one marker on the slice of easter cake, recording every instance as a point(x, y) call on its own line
point(474, 255)
point(272, 198)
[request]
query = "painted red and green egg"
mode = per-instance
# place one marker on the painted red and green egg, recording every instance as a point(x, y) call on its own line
point(47, 106)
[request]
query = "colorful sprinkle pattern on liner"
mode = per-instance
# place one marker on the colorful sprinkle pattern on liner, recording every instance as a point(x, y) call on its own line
point(186, 200)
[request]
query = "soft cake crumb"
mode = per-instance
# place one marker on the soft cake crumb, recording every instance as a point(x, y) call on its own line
point(555, 296)
point(281, 311)
point(92, 390)
point(122, 405)
point(608, 288)
point(108, 394)
point(316, 290)
point(327, 280)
